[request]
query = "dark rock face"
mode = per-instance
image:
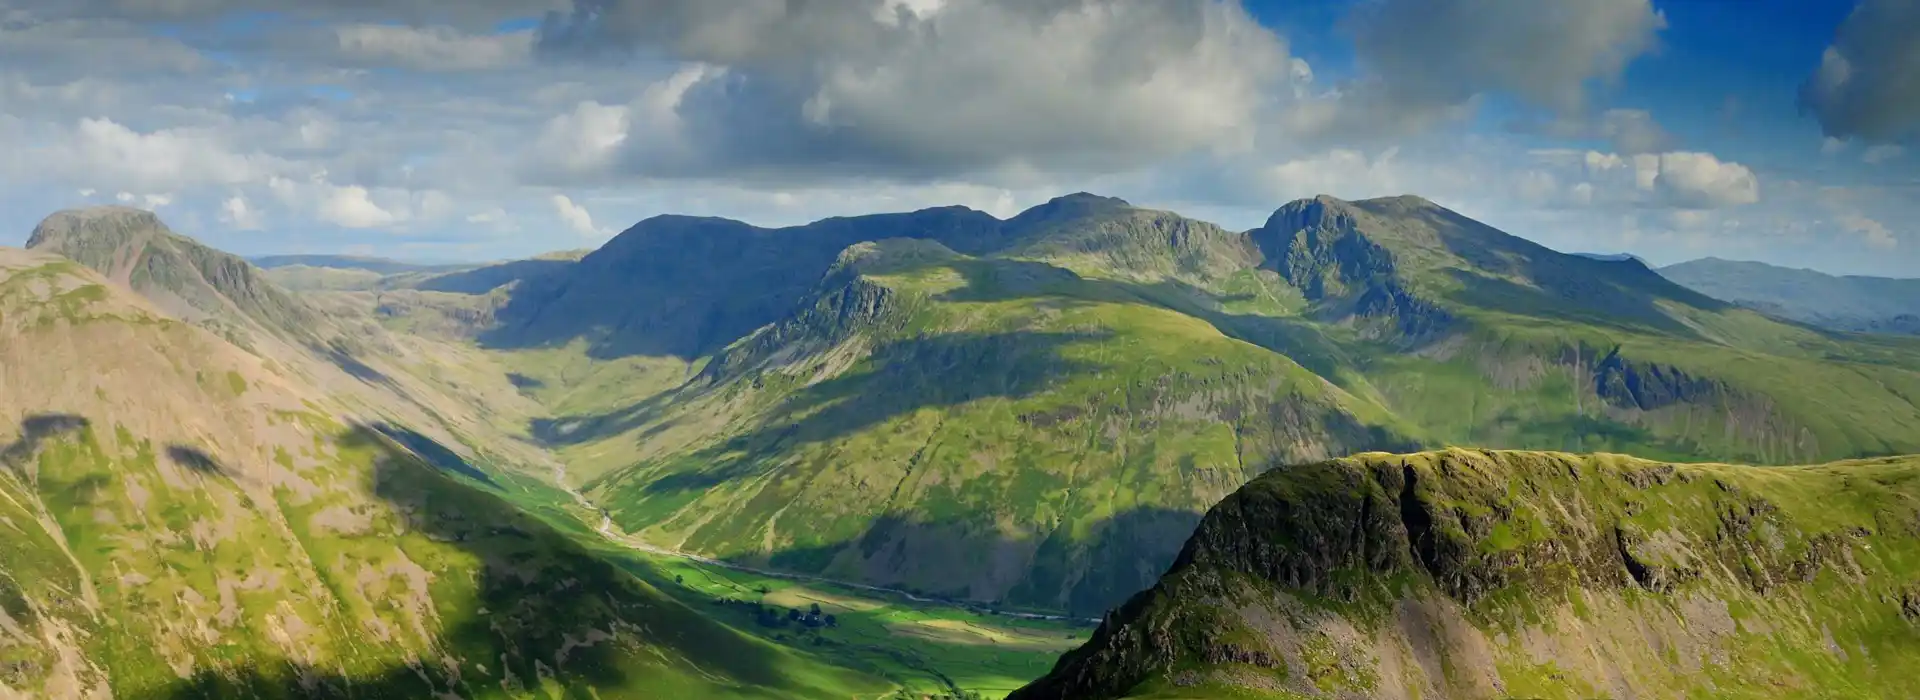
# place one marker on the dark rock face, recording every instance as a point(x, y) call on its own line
point(1648, 386)
point(1469, 524)
point(1313, 242)
point(135, 245)
point(833, 316)
point(1316, 245)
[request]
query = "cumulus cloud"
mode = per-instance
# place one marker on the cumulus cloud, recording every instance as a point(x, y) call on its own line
point(355, 206)
point(1701, 181)
point(351, 207)
point(1881, 153)
point(1864, 85)
point(103, 152)
point(1873, 232)
point(1677, 179)
point(438, 48)
point(933, 89)
point(237, 213)
point(1442, 52)
point(575, 216)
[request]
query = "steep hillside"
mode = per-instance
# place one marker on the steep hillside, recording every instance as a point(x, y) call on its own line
point(1034, 411)
point(1851, 303)
point(186, 519)
point(1475, 574)
point(684, 286)
point(993, 429)
point(447, 390)
point(188, 280)
point(1484, 338)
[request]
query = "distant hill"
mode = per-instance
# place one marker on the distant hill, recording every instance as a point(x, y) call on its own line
point(1615, 257)
point(1480, 574)
point(1849, 303)
point(382, 266)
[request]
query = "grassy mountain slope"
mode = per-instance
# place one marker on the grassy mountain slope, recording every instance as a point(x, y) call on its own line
point(1484, 338)
point(447, 390)
point(1849, 303)
point(1034, 411)
point(187, 519)
point(981, 428)
point(1477, 574)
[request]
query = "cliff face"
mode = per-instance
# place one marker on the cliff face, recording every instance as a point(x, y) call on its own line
point(1527, 574)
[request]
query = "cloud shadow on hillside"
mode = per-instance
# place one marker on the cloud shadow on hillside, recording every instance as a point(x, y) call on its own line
point(195, 459)
point(541, 592)
point(481, 280)
point(896, 379)
point(1296, 339)
point(37, 429)
point(1133, 547)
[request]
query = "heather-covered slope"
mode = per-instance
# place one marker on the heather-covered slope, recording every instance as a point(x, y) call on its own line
point(1478, 574)
point(187, 519)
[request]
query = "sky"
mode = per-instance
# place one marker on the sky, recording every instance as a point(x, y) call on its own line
point(1775, 130)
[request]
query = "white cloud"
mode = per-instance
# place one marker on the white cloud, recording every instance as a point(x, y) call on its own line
point(580, 143)
point(972, 87)
point(237, 213)
point(575, 216)
point(432, 48)
point(351, 207)
point(1831, 146)
point(104, 152)
point(1701, 181)
point(1881, 153)
point(1680, 179)
point(1875, 233)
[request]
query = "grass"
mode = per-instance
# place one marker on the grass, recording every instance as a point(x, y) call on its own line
point(922, 648)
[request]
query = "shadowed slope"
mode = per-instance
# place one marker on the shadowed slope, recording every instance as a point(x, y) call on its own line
point(185, 519)
point(1477, 574)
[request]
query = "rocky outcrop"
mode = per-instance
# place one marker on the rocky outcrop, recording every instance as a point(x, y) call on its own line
point(1496, 555)
point(1649, 386)
point(1317, 246)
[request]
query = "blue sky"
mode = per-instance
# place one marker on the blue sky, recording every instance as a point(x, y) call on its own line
point(1775, 130)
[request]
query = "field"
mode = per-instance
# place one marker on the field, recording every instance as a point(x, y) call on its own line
point(926, 648)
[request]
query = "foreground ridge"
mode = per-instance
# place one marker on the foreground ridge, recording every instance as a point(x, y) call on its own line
point(1480, 574)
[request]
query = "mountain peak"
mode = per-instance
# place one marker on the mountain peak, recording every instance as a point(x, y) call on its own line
point(119, 222)
point(179, 274)
point(1088, 198)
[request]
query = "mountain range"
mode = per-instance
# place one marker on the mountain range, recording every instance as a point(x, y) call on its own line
point(1035, 411)
point(1850, 303)
point(1031, 413)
